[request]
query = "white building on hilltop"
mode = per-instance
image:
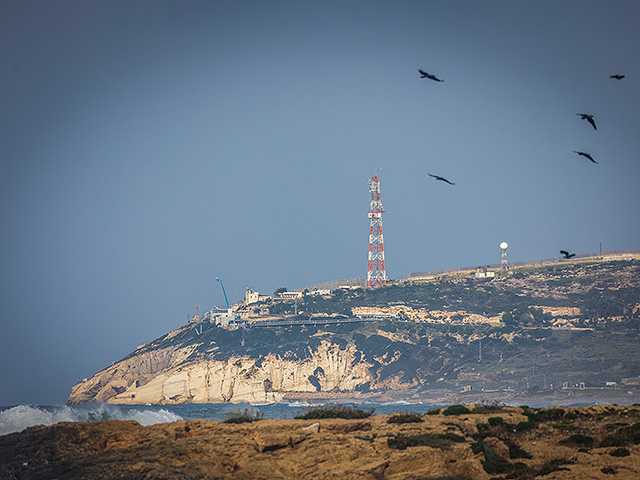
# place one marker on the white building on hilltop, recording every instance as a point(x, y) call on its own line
point(254, 297)
point(291, 295)
point(219, 316)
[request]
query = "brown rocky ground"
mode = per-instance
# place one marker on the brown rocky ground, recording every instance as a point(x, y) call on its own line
point(487, 442)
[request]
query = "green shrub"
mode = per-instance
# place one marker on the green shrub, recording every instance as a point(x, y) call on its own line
point(435, 440)
point(482, 427)
point(525, 426)
point(515, 450)
point(477, 447)
point(565, 426)
point(406, 417)
point(435, 411)
point(620, 452)
point(243, 417)
point(626, 435)
point(494, 463)
point(335, 411)
point(578, 439)
point(456, 410)
point(553, 465)
point(614, 426)
point(550, 414)
point(494, 421)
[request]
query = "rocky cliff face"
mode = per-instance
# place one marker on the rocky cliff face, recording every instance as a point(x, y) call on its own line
point(178, 378)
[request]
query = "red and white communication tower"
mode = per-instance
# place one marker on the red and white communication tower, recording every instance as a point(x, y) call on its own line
point(376, 273)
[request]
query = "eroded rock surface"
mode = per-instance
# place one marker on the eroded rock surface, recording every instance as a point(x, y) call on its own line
point(571, 443)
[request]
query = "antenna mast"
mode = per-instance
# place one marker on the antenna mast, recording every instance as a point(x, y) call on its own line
point(376, 273)
point(503, 256)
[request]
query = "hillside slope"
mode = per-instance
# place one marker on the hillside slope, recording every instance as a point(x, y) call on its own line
point(559, 327)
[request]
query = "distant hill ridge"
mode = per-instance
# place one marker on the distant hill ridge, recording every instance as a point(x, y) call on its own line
point(607, 256)
point(550, 329)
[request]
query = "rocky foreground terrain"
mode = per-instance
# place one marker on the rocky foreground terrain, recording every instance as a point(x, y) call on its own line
point(478, 442)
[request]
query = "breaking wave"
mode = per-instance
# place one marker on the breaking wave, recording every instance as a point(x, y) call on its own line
point(16, 419)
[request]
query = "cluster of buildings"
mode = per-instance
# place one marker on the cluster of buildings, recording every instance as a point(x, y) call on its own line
point(253, 303)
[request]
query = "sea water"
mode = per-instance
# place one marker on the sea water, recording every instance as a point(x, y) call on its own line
point(17, 418)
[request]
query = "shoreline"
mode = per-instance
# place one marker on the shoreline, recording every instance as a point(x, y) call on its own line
point(563, 397)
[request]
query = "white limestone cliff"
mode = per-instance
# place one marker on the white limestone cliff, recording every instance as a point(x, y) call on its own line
point(238, 379)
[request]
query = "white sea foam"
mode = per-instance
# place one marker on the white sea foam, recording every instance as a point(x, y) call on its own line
point(297, 404)
point(16, 419)
point(396, 402)
point(151, 417)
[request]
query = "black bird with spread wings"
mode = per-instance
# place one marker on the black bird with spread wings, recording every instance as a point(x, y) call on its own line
point(437, 177)
point(424, 74)
point(617, 77)
point(586, 155)
point(567, 254)
point(588, 118)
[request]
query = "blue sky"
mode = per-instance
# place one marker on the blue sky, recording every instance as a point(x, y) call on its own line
point(147, 148)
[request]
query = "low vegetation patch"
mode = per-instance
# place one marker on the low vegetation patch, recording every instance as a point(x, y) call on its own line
point(456, 410)
point(406, 417)
point(243, 417)
point(494, 421)
point(578, 439)
point(494, 463)
point(482, 427)
point(551, 466)
point(623, 436)
point(550, 414)
point(564, 426)
point(620, 452)
point(525, 426)
point(488, 407)
point(335, 411)
point(435, 440)
point(515, 450)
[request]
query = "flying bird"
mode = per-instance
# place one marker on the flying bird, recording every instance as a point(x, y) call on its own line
point(586, 155)
point(424, 74)
point(617, 77)
point(567, 254)
point(588, 118)
point(437, 177)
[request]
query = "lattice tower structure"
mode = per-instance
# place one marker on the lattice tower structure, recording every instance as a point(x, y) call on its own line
point(503, 256)
point(376, 273)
